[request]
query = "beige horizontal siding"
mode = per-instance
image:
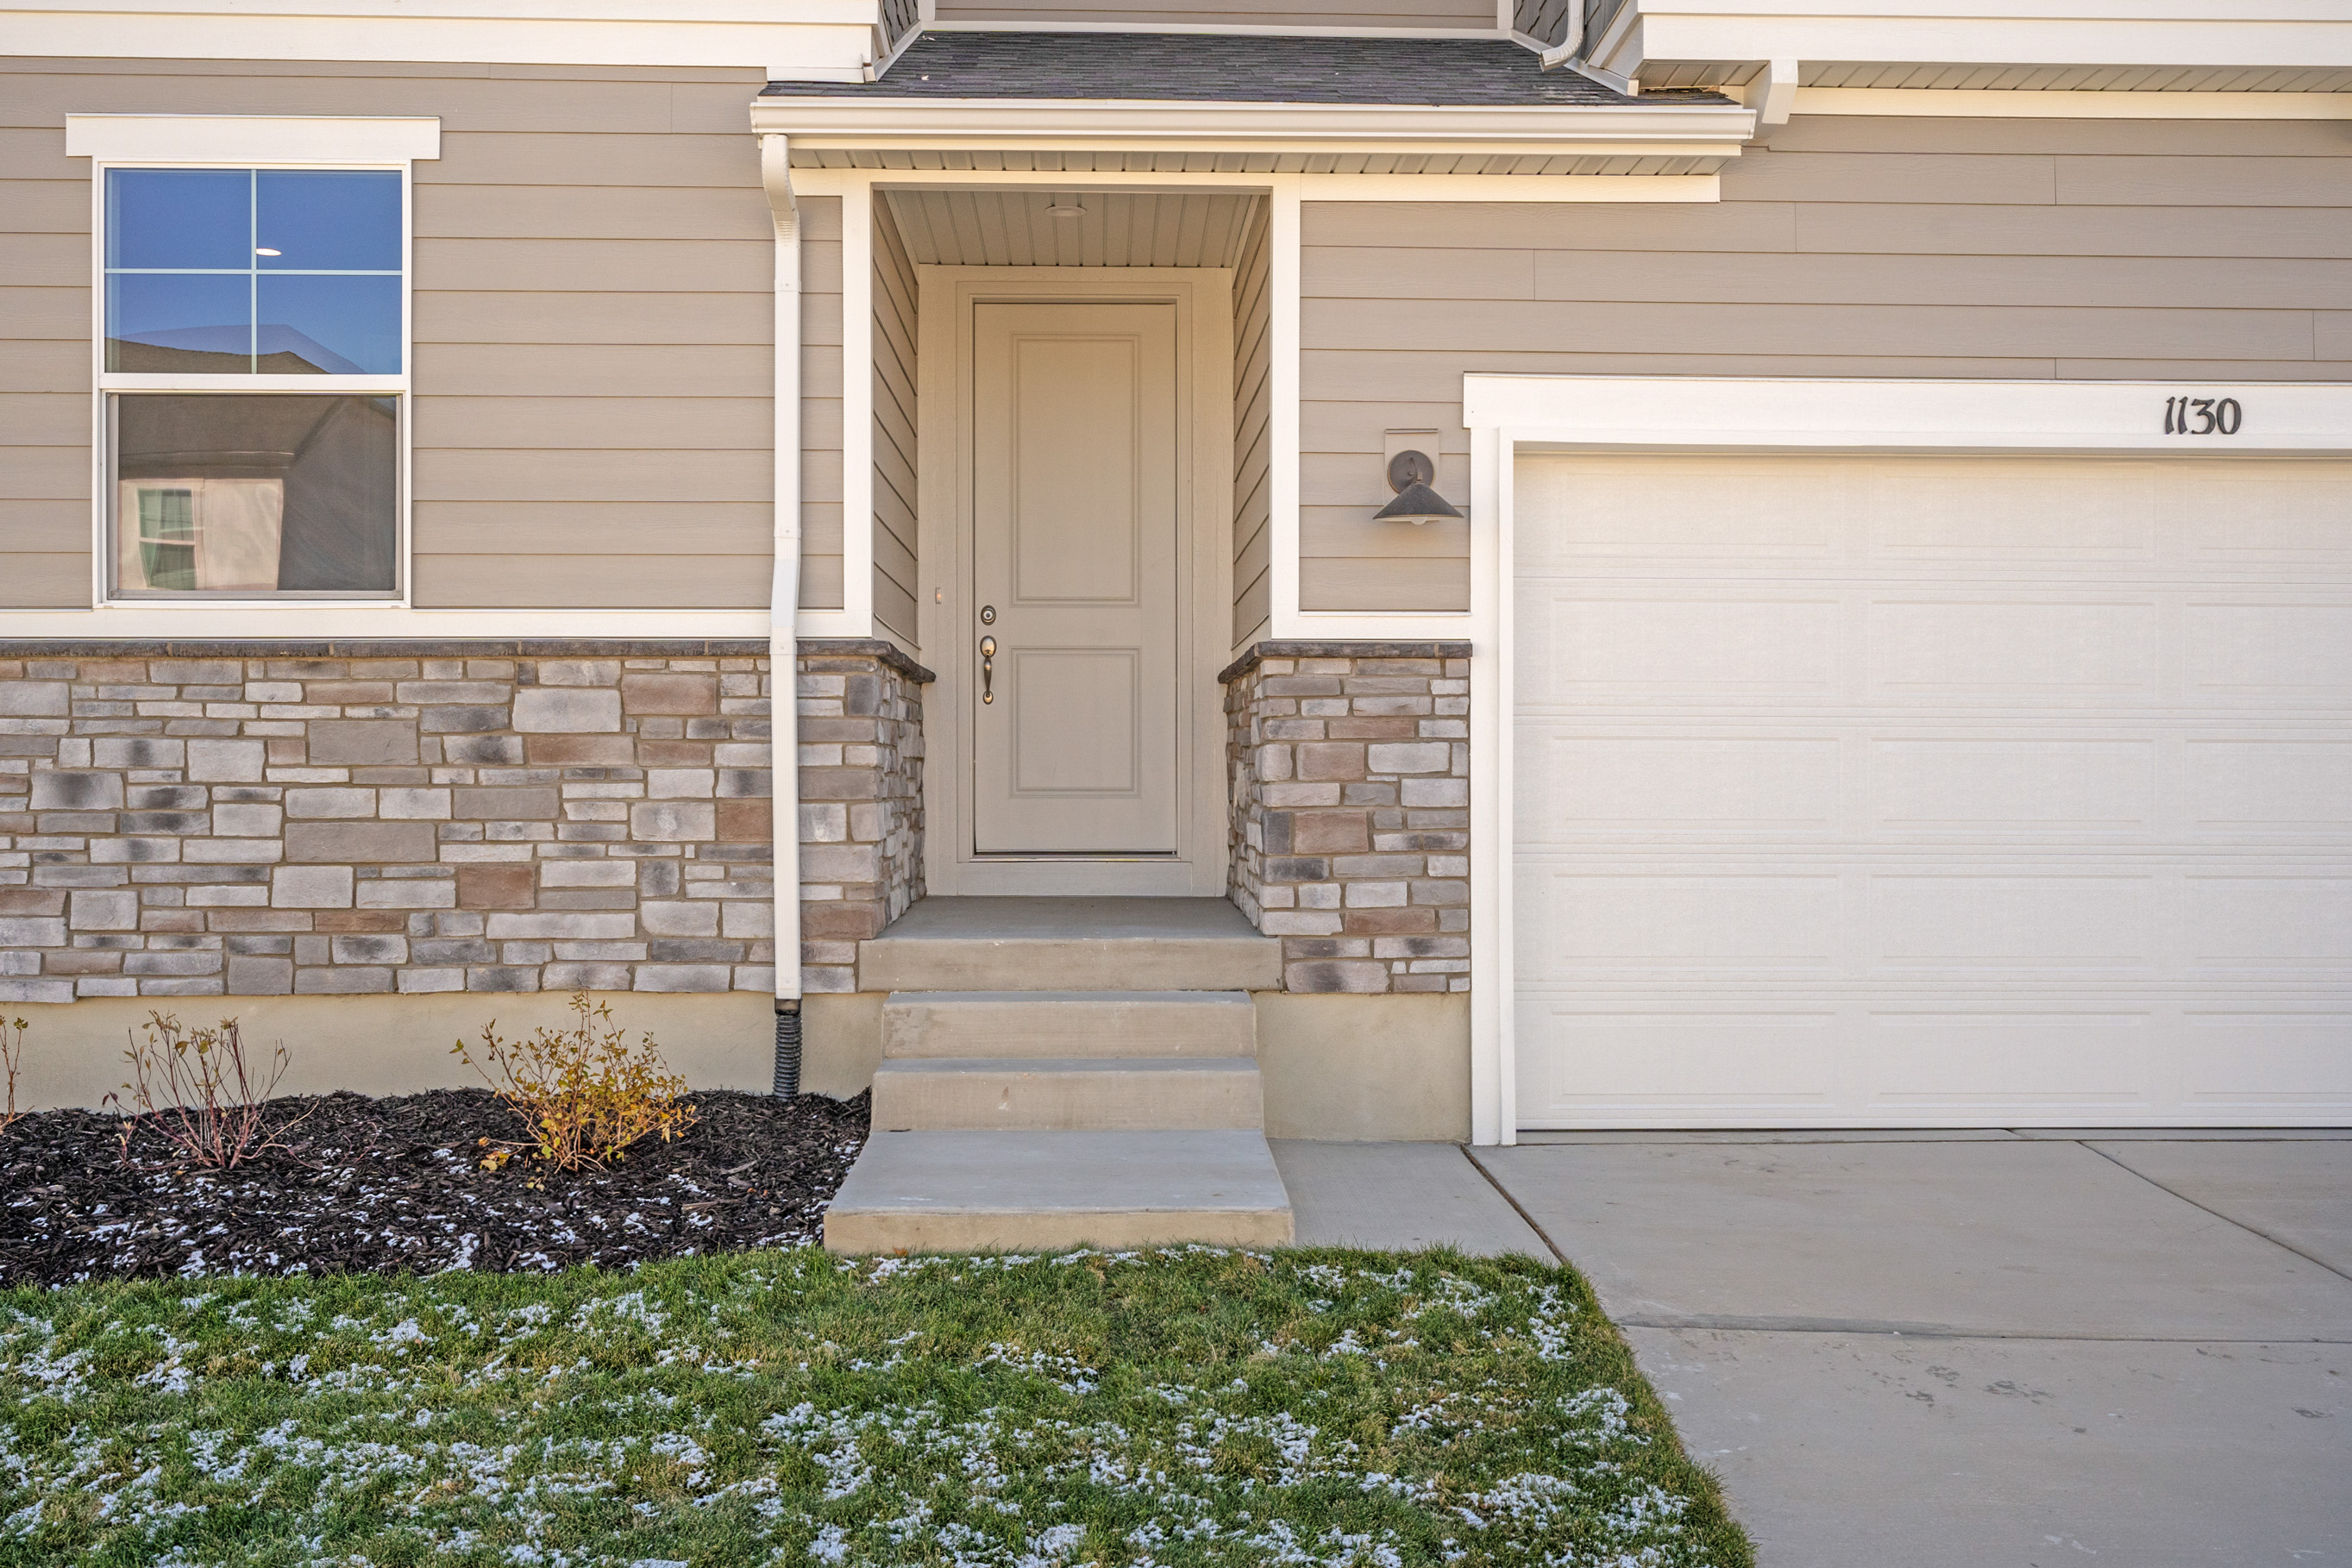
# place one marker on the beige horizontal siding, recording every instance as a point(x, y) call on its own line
point(1848, 246)
point(1253, 445)
point(593, 317)
point(895, 292)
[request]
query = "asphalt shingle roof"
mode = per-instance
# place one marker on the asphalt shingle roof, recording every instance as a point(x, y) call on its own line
point(1229, 68)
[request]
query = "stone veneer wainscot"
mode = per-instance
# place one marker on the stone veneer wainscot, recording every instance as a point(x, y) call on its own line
point(1349, 794)
point(319, 818)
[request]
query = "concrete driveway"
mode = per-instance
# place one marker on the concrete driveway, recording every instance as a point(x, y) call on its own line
point(1983, 1350)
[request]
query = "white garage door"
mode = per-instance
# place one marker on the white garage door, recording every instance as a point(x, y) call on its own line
point(1931, 790)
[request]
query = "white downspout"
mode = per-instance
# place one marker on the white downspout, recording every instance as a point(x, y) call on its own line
point(783, 609)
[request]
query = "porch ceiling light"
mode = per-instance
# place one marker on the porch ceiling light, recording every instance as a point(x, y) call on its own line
point(1410, 474)
point(1065, 209)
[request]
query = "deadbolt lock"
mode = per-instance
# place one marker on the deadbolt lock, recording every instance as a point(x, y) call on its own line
point(988, 614)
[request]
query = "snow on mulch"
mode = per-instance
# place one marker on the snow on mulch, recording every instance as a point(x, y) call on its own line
point(393, 1185)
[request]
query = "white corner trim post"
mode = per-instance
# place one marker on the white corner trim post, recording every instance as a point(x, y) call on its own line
point(1494, 1114)
point(785, 594)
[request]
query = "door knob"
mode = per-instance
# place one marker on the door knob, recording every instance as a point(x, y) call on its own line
point(987, 670)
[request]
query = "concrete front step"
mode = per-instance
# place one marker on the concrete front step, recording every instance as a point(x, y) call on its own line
point(1029, 1023)
point(1070, 944)
point(1131, 1093)
point(963, 1191)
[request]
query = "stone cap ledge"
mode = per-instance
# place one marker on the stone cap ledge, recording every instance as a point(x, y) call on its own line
point(1265, 650)
point(880, 649)
point(453, 648)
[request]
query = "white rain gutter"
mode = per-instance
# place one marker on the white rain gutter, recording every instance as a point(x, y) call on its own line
point(784, 610)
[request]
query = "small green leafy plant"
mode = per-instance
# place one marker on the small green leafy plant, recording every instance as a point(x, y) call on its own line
point(583, 1094)
point(196, 1089)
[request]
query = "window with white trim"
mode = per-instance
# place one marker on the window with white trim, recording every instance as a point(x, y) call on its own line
point(253, 372)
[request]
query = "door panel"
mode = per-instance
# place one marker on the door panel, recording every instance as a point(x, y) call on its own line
point(1075, 545)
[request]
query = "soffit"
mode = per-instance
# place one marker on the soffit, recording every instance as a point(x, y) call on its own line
point(1115, 228)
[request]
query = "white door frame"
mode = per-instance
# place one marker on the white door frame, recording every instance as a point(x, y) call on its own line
point(1508, 415)
point(1203, 299)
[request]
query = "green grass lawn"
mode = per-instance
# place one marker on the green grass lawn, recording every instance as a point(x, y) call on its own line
point(1191, 1406)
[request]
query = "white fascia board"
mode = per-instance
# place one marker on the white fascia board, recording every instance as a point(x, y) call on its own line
point(253, 138)
point(1586, 413)
point(2256, 33)
point(1662, 132)
point(829, 40)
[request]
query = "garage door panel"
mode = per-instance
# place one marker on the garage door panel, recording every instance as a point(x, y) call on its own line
point(1996, 1065)
point(2292, 651)
point(2272, 1065)
point(1933, 792)
point(1938, 784)
point(1648, 920)
point(1635, 650)
point(1614, 784)
point(2288, 922)
point(2247, 784)
point(2013, 648)
point(1967, 510)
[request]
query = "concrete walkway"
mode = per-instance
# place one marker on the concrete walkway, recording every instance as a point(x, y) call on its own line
point(1983, 1350)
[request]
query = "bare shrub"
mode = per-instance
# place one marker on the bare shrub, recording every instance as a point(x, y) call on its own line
point(582, 1094)
point(196, 1089)
point(12, 1057)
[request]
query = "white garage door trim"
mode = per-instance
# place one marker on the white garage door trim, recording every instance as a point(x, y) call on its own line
point(1509, 416)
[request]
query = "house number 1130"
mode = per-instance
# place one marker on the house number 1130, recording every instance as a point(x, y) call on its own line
point(2203, 417)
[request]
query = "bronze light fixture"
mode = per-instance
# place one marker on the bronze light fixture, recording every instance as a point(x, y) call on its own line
point(1409, 474)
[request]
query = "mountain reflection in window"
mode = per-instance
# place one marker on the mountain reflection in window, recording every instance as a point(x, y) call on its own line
point(256, 494)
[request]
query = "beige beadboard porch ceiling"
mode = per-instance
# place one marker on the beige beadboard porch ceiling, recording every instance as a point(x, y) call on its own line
point(1113, 228)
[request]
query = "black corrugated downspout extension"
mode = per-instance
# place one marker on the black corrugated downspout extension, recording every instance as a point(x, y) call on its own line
point(788, 1048)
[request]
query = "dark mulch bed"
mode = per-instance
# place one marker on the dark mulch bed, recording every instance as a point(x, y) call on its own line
point(396, 1185)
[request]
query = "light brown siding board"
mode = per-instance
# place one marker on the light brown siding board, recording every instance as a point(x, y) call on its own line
point(46, 419)
point(600, 370)
point(443, 316)
point(509, 103)
point(821, 579)
point(527, 158)
point(894, 609)
point(1563, 225)
point(588, 266)
point(1347, 531)
point(1422, 375)
point(681, 423)
point(38, 153)
point(2203, 182)
point(57, 582)
point(1252, 431)
point(44, 260)
point(641, 475)
point(57, 314)
point(44, 473)
point(1387, 273)
point(1933, 230)
point(1330, 584)
point(2249, 283)
point(1940, 135)
point(580, 210)
point(601, 528)
point(53, 365)
point(50, 526)
point(2205, 373)
point(1478, 325)
point(46, 207)
point(556, 582)
point(1957, 178)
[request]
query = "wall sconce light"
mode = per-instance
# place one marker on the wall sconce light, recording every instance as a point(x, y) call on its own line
point(1410, 473)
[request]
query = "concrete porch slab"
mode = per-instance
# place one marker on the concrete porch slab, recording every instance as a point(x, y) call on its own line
point(1070, 944)
point(1398, 1196)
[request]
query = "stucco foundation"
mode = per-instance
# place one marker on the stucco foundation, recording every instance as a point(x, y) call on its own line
point(383, 1045)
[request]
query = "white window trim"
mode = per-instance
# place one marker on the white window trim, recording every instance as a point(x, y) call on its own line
point(1510, 414)
point(241, 141)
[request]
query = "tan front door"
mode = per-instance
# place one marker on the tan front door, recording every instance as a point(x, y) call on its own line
point(1075, 576)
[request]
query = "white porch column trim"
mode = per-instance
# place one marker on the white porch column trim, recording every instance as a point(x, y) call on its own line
point(785, 589)
point(1493, 1078)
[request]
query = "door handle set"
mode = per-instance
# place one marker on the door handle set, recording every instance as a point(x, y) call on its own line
point(987, 670)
